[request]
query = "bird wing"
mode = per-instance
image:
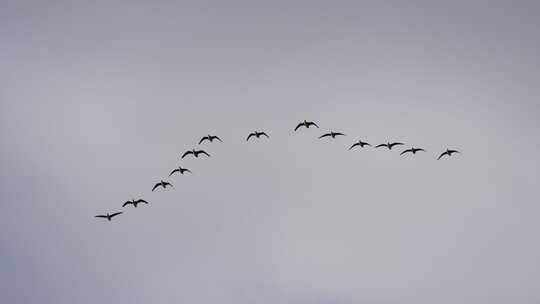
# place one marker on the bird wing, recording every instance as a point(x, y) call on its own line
point(395, 144)
point(250, 134)
point(442, 154)
point(167, 184)
point(354, 145)
point(453, 151)
point(155, 186)
point(405, 151)
point(420, 149)
point(381, 145)
point(325, 135)
point(203, 152)
point(367, 144)
point(262, 133)
point(115, 214)
point(127, 203)
point(215, 137)
point(299, 125)
point(203, 139)
point(174, 171)
point(187, 153)
point(311, 123)
point(102, 216)
point(338, 133)
point(141, 201)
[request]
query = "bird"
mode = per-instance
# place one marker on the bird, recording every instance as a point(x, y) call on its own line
point(210, 138)
point(306, 124)
point(134, 202)
point(360, 143)
point(181, 170)
point(109, 216)
point(162, 184)
point(257, 134)
point(448, 152)
point(332, 134)
point(195, 153)
point(413, 150)
point(389, 145)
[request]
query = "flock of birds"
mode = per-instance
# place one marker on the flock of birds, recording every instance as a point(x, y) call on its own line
point(257, 134)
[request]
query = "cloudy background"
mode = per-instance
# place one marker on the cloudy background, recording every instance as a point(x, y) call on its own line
point(99, 99)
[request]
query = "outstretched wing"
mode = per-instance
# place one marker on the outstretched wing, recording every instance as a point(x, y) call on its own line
point(325, 135)
point(187, 153)
point(453, 151)
point(405, 151)
point(203, 139)
point(262, 133)
point(311, 123)
point(174, 171)
point(215, 137)
point(442, 154)
point(381, 145)
point(127, 203)
point(141, 201)
point(394, 144)
point(339, 133)
point(249, 136)
point(299, 125)
point(167, 184)
point(203, 152)
point(185, 170)
point(366, 144)
point(101, 216)
point(420, 149)
point(354, 145)
point(155, 186)
point(115, 214)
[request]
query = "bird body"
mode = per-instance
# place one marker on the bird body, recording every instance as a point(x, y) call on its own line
point(162, 184)
point(412, 150)
point(389, 145)
point(181, 170)
point(332, 134)
point(360, 143)
point(306, 124)
point(448, 152)
point(134, 202)
point(195, 153)
point(257, 134)
point(108, 216)
point(210, 138)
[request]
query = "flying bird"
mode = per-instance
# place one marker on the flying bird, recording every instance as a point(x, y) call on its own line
point(162, 184)
point(109, 216)
point(332, 134)
point(257, 134)
point(195, 153)
point(448, 152)
point(389, 145)
point(179, 169)
point(360, 143)
point(134, 202)
point(412, 150)
point(210, 138)
point(306, 124)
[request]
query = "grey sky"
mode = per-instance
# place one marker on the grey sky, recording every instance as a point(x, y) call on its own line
point(99, 98)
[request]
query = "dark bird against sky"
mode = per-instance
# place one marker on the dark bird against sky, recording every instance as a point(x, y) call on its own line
point(448, 152)
point(109, 216)
point(135, 202)
point(162, 184)
point(359, 143)
point(306, 124)
point(332, 134)
point(195, 153)
point(389, 145)
point(180, 170)
point(412, 150)
point(257, 134)
point(210, 138)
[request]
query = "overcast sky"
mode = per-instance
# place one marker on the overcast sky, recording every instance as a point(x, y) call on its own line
point(100, 98)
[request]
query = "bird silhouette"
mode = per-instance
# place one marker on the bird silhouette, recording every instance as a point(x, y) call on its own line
point(257, 134)
point(306, 124)
point(181, 170)
point(412, 150)
point(195, 153)
point(210, 138)
point(389, 145)
point(134, 202)
point(109, 216)
point(359, 143)
point(162, 184)
point(332, 134)
point(448, 152)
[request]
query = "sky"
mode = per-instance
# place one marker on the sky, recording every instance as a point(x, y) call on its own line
point(98, 100)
